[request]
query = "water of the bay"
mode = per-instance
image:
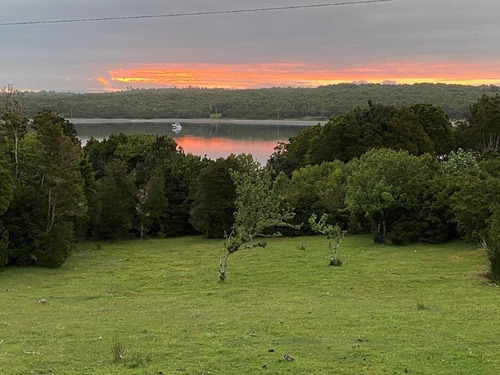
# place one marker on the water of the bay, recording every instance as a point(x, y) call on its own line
point(212, 139)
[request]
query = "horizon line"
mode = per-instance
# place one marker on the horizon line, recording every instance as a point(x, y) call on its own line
point(128, 89)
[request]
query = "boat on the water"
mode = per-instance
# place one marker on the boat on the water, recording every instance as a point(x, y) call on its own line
point(176, 126)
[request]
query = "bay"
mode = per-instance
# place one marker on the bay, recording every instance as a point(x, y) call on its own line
point(210, 138)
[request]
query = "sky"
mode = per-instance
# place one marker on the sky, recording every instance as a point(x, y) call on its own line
point(400, 41)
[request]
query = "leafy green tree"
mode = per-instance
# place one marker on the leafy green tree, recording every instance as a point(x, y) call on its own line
point(404, 132)
point(431, 219)
point(333, 234)
point(6, 187)
point(350, 135)
point(100, 153)
point(384, 185)
point(482, 129)
point(180, 172)
point(60, 159)
point(259, 208)
point(13, 120)
point(491, 166)
point(62, 184)
point(117, 201)
point(474, 202)
point(151, 206)
point(434, 219)
point(85, 225)
point(490, 241)
point(280, 161)
point(213, 195)
point(295, 151)
point(25, 219)
point(437, 125)
point(316, 188)
point(145, 157)
point(472, 195)
point(460, 161)
point(345, 137)
point(13, 127)
point(6, 195)
point(48, 196)
point(47, 118)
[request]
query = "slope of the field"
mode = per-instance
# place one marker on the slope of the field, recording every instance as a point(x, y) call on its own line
point(422, 309)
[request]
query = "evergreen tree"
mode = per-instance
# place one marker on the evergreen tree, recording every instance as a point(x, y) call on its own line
point(151, 207)
point(13, 121)
point(117, 202)
point(48, 195)
point(6, 194)
point(437, 125)
point(213, 195)
point(482, 129)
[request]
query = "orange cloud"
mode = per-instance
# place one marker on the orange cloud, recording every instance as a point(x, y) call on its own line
point(298, 74)
point(105, 83)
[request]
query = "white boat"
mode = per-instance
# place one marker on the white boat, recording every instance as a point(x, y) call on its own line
point(177, 126)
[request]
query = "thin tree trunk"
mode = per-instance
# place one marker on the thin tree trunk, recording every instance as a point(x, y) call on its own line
point(223, 266)
point(53, 218)
point(381, 230)
point(15, 153)
point(51, 212)
point(48, 209)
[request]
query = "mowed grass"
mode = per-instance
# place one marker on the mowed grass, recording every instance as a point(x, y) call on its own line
point(421, 309)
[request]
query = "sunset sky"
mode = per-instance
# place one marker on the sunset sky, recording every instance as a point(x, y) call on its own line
point(402, 41)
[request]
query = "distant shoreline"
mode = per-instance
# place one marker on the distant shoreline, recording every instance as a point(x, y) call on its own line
point(79, 121)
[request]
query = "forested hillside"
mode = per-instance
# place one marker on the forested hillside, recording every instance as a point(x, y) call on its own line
point(322, 102)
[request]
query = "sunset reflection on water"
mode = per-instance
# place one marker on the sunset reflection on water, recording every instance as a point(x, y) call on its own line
point(204, 139)
point(215, 148)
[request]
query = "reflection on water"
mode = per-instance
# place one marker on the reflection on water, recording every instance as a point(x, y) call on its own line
point(214, 148)
point(212, 140)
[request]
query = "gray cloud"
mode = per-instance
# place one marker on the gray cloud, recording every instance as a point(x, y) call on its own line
point(69, 56)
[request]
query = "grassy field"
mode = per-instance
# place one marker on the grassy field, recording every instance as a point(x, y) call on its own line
point(422, 309)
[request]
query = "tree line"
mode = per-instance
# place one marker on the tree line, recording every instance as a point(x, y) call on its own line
point(402, 174)
point(273, 103)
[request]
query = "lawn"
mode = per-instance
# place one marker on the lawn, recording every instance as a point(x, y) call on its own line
point(421, 309)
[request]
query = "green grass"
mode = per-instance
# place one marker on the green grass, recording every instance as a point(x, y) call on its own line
point(145, 307)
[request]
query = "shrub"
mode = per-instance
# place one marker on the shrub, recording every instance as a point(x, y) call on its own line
point(118, 351)
point(333, 234)
point(491, 244)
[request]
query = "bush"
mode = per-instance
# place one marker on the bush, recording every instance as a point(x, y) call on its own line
point(491, 244)
point(384, 185)
point(473, 204)
point(56, 246)
point(402, 232)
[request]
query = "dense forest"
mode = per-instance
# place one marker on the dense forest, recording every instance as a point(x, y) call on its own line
point(403, 174)
point(274, 103)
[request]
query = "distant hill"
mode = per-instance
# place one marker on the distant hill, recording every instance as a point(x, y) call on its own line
point(292, 103)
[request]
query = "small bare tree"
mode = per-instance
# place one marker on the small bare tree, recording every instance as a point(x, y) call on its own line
point(259, 208)
point(333, 233)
